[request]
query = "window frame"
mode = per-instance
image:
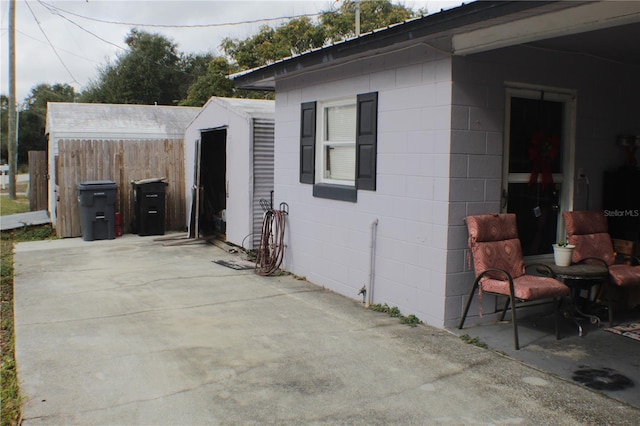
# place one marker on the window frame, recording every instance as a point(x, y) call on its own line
point(366, 148)
point(322, 143)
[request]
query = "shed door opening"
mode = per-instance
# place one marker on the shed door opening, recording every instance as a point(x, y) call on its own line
point(213, 183)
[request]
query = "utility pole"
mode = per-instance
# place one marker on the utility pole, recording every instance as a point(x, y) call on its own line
point(357, 18)
point(12, 143)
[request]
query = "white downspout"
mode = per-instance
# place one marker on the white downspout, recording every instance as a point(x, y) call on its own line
point(372, 262)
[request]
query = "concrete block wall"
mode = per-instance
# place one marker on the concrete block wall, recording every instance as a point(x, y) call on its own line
point(328, 241)
point(605, 107)
point(440, 142)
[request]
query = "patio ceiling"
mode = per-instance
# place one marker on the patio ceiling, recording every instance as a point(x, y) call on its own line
point(607, 30)
point(618, 44)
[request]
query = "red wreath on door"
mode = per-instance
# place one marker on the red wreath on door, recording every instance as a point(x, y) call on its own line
point(543, 149)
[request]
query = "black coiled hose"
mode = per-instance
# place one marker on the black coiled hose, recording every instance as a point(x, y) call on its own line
point(271, 249)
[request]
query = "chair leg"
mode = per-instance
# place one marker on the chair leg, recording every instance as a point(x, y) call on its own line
point(557, 316)
point(515, 323)
point(468, 304)
point(504, 310)
point(609, 303)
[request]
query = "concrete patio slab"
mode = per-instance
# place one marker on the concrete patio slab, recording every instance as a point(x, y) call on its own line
point(131, 332)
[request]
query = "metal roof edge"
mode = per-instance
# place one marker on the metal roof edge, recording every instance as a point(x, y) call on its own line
point(444, 20)
point(227, 103)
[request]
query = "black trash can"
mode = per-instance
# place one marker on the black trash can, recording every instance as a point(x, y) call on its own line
point(149, 210)
point(97, 199)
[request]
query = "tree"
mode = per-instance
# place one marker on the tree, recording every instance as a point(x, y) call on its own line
point(149, 72)
point(193, 67)
point(32, 117)
point(301, 34)
point(270, 45)
point(374, 14)
point(4, 129)
point(213, 83)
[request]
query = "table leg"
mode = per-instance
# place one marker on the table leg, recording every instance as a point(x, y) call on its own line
point(575, 311)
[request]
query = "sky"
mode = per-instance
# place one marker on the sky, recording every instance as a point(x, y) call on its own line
point(63, 41)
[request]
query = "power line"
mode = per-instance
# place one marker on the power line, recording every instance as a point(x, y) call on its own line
point(51, 44)
point(61, 50)
point(56, 10)
point(89, 32)
point(126, 49)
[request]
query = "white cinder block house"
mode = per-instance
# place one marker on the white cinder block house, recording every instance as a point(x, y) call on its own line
point(229, 158)
point(386, 142)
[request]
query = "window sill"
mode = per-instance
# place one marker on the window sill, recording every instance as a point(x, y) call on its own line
point(335, 192)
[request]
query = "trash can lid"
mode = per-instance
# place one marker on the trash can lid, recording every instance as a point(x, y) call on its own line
point(151, 180)
point(97, 184)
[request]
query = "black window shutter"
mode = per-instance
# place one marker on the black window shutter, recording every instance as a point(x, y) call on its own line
point(366, 141)
point(307, 142)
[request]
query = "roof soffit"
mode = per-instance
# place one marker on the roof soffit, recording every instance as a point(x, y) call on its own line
point(581, 18)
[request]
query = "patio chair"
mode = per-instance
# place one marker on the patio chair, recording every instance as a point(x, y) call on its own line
point(500, 268)
point(588, 231)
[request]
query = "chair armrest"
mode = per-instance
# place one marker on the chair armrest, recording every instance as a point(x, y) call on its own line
point(597, 259)
point(502, 271)
point(541, 268)
point(633, 260)
point(487, 271)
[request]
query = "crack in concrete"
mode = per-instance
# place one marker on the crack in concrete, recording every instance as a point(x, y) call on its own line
point(146, 311)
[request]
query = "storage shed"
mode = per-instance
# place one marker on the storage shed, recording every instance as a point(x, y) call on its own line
point(121, 143)
point(229, 168)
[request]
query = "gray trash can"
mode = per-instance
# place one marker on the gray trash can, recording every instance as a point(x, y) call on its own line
point(97, 199)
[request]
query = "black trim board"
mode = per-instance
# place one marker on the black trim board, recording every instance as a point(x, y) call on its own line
point(335, 192)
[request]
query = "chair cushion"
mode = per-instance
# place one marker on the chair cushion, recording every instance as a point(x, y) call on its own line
point(506, 254)
point(493, 239)
point(588, 230)
point(585, 222)
point(492, 227)
point(592, 245)
point(527, 287)
point(625, 275)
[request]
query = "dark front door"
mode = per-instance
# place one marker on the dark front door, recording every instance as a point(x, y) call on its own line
point(537, 184)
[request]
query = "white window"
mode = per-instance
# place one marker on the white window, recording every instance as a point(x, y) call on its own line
point(336, 144)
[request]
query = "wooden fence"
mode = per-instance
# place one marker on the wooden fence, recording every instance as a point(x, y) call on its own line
point(38, 195)
point(121, 161)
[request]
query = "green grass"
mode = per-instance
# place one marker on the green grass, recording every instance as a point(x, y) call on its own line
point(9, 206)
point(10, 389)
point(473, 341)
point(394, 312)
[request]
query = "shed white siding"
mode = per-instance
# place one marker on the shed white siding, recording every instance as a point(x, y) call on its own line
point(263, 136)
point(237, 116)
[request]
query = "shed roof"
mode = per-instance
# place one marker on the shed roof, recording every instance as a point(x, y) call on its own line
point(252, 108)
point(118, 121)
